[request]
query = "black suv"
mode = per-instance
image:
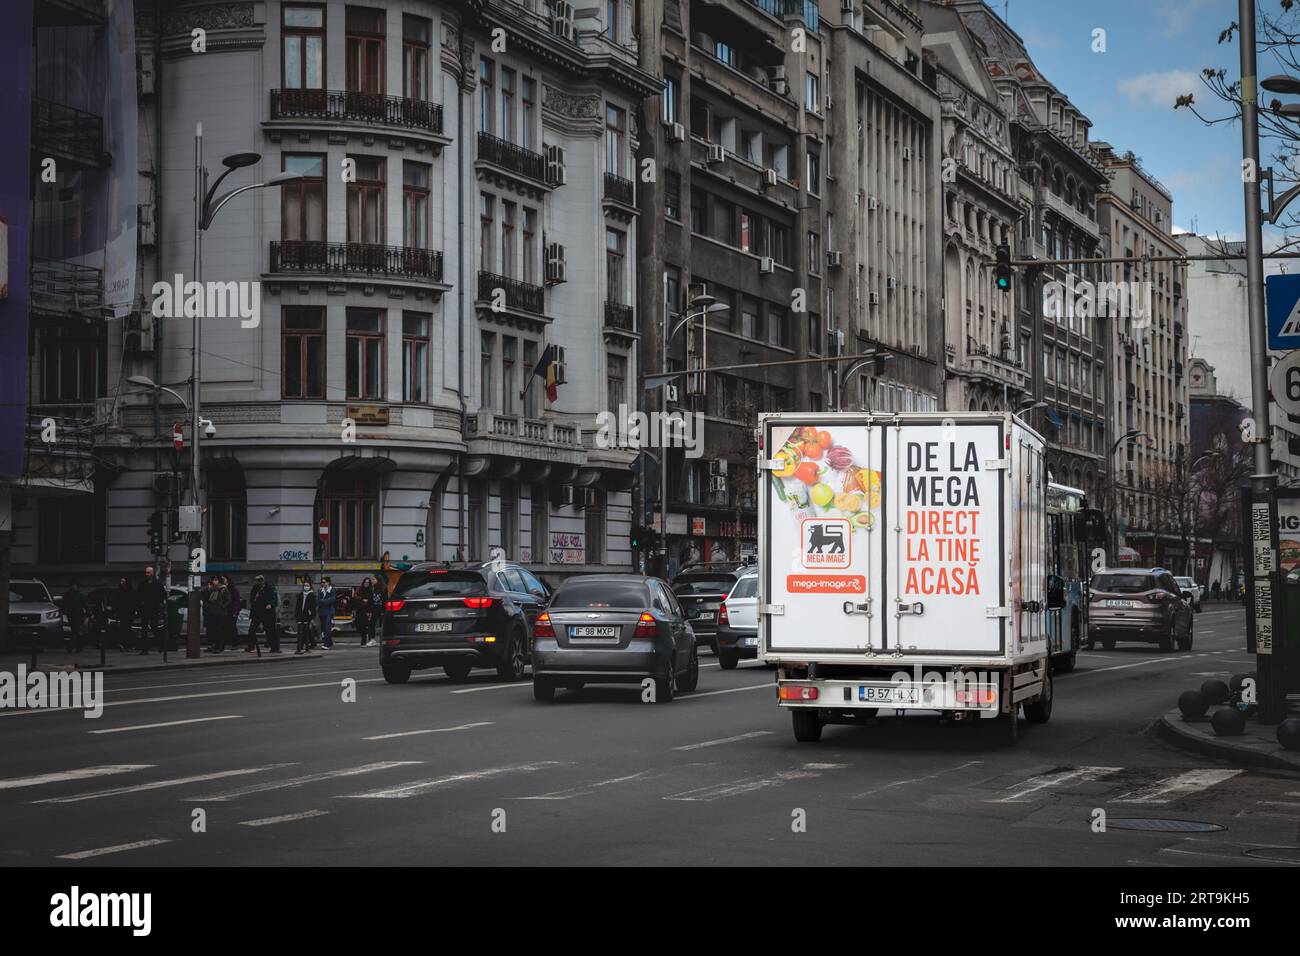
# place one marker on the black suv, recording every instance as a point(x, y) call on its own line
point(703, 587)
point(461, 616)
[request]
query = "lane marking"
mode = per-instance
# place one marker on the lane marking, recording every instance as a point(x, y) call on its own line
point(475, 690)
point(214, 693)
point(15, 782)
point(732, 690)
point(902, 783)
point(424, 786)
point(1043, 781)
point(748, 785)
point(287, 818)
point(160, 784)
point(1170, 788)
point(725, 740)
point(170, 723)
point(1120, 667)
point(103, 851)
point(585, 789)
point(432, 730)
point(227, 680)
point(302, 781)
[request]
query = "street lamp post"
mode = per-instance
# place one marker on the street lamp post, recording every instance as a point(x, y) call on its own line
point(1129, 435)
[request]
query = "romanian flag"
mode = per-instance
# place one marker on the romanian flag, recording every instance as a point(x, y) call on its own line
point(548, 371)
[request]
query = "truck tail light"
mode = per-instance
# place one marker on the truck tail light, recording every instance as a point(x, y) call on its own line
point(395, 605)
point(647, 626)
point(542, 627)
point(478, 603)
point(722, 614)
point(796, 692)
point(979, 698)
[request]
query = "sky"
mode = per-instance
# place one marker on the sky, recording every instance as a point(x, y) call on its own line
point(1154, 52)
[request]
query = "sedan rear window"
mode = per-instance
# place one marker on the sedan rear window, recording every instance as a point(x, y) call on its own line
point(1124, 583)
point(704, 584)
point(746, 587)
point(435, 583)
point(578, 592)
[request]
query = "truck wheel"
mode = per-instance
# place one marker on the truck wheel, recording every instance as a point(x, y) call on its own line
point(395, 672)
point(1006, 727)
point(1040, 711)
point(807, 726)
point(1064, 663)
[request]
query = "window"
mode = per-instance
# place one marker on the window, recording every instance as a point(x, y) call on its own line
point(617, 375)
point(486, 75)
point(594, 519)
point(510, 534)
point(302, 352)
point(72, 364)
point(611, 20)
point(415, 57)
point(415, 205)
point(746, 237)
point(227, 515)
point(508, 104)
point(615, 256)
point(486, 213)
point(538, 530)
point(352, 506)
point(509, 357)
point(366, 202)
point(669, 101)
point(778, 243)
point(724, 221)
point(814, 253)
point(814, 174)
point(71, 530)
point(725, 52)
point(530, 246)
point(302, 201)
point(672, 195)
point(615, 126)
point(529, 112)
point(365, 49)
point(749, 323)
point(415, 356)
point(487, 345)
point(531, 393)
point(302, 47)
point(810, 94)
point(365, 354)
point(699, 212)
point(815, 335)
point(508, 239)
point(777, 326)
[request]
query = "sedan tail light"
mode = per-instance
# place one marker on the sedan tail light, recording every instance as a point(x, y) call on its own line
point(723, 618)
point(647, 626)
point(478, 603)
point(542, 627)
point(395, 605)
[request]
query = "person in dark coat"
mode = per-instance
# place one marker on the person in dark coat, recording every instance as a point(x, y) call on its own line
point(363, 610)
point(304, 612)
point(262, 604)
point(216, 611)
point(75, 608)
point(236, 605)
point(327, 601)
point(150, 597)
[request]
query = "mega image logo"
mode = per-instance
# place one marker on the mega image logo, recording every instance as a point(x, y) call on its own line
point(208, 300)
point(637, 430)
point(75, 909)
point(61, 690)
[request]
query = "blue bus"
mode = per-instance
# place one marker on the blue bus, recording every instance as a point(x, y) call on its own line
point(1072, 529)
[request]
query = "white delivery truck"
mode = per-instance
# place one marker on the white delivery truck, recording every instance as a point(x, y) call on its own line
point(902, 567)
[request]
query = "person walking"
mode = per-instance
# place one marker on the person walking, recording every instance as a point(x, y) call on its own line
point(363, 610)
point(74, 608)
point(150, 598)
point(1215, 590)
point(216, 608)
point(326, 603)
point(304, 612)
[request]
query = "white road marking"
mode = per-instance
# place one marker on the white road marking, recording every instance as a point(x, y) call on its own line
point(725, 740)
point(103, 851)
point(170, 723)
point(1043, 781)
point(287, 818)
point(735, 787)
point(733, 690)
point(301, 781)
point(160, 784)
point(1120, 667)
point(432, 730)
point(475, 690)
point(585, 789)
point(214, 693)
point(1167, 790)
point(228, 680)
point(82, 774)
point(424, 786)
point(903, 783)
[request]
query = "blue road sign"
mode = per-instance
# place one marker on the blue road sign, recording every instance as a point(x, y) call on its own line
point(1283, 295)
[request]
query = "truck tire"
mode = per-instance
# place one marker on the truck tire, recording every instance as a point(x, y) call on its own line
point(1064, 663)
point(1040, 710)
point(807, 726)
point(1006, 727)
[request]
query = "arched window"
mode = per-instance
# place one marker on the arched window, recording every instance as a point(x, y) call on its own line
point(351, 503)
point(227, 516)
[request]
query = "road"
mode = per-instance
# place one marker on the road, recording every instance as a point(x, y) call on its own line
point(285, 771)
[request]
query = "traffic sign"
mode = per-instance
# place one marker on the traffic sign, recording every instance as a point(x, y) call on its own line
point(178, 436)
point(1283, 295)
point(323, 530)
point(1284, 383)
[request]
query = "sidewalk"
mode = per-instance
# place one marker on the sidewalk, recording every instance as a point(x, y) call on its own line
point(130, 662)
point(1257, 747)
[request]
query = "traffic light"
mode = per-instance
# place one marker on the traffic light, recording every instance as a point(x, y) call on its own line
point(1002, 274)
point(156, 532)
point(637, 537)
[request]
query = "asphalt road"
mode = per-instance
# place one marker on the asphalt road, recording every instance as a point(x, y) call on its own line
point(285, 771)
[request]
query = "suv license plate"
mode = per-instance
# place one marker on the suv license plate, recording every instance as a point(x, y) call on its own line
point(435, 628)
point(1114, 603)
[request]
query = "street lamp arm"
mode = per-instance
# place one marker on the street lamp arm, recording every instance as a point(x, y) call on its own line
point(211, 213)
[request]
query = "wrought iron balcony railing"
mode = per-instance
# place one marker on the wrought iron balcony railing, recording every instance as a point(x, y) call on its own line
point(72, 132)
point(59, 286)
point(519, 295)
point(620, 190)
point(507, 155)
point(356, 258)
point(618, 316)
point(348, 107)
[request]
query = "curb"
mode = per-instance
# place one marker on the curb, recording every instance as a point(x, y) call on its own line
point(1174, 730)
point(182, 664)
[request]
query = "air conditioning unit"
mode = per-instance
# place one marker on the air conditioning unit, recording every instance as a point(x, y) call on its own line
point(907, 152)
point(891, 283)
point(137, 333)
point(766, 265)
point(873, 297)
point(670, 394)
point(674, 132)
point(834, 259)
point(780, 87)
point(716, 153)
point(555, 266)
point(872, 204)
point(556, 166)
point(562, 19)
point(148, 224)
point(718, 466)
point(563, 496)
point(769, 177)
point(717, 484)
point(590, 498)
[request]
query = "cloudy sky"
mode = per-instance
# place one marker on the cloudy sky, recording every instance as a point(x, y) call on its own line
point(1154, 51)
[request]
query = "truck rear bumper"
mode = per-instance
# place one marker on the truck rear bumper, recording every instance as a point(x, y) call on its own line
point(889, 695)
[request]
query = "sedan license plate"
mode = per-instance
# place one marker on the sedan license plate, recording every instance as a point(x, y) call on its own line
point(1114, 603)
point(435, 628)
point(887, 695)
point(593, 631)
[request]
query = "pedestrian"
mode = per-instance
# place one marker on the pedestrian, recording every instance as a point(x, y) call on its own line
point(216, 609)
point(363, 610)
point(150, 598)
point(262, 605)
point(122, 612)
point(381, 603)
point(1215, 590)
point(326, 602)
point(304, 612)
point(74, 608)
point(236, 605)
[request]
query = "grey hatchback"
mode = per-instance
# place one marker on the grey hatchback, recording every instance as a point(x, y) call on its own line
point(614, 629)
point(1143, 604)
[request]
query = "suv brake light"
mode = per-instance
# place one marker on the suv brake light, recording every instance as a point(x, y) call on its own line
point(646, 626)
point(478, 603)
point(1157, 597)
point(723, 617)
point(395, 605)
point(542, 627)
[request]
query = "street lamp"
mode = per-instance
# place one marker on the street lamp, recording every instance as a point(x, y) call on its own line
point(871, 358)
point(144, 381)
point(1129, 435)
point(1280, 83)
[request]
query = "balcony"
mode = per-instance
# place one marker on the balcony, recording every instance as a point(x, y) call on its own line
point(67, 288)
point(807, 9)
point(341, 106)
point(522, 296)
point(356, 258)
point(69, 134)
point(620, 190)
point(512, 159)
point(619, 317)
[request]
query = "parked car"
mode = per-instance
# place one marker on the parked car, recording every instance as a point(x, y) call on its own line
point(1139, 605)
point(1197, 592)
point(33, 614)
point(461, 616)
point(614, 629)
point(178, 602)
point(738, 622)
point(702, 587)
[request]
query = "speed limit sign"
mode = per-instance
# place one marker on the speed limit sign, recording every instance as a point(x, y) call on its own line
point(1284, 382)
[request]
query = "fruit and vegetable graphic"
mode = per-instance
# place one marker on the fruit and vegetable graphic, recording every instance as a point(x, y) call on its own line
point(819, 478)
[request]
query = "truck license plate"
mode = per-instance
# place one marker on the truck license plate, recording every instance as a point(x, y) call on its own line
point(887, 695)
point(435, 628)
